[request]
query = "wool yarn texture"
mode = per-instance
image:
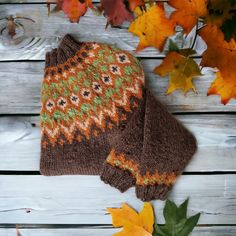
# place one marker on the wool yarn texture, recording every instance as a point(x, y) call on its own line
point(98, 118)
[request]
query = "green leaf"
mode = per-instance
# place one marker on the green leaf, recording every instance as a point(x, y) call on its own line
point(182, 210)
point(189, 225)
point(173, 47)
point(161, 230)
point(177, 223)
point(233, 2)
point(178, 227)
point(170, 212)
point(229, 28)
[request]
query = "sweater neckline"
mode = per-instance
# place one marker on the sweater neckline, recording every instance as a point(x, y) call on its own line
point(66, 49)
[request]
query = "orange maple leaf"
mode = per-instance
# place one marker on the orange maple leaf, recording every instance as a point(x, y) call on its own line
point(220, 54)
point(152, 28)
point(187, 12)
point(74, 9)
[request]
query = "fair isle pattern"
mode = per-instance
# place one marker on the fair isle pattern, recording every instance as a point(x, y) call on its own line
point(119, 160)
point(86, 89)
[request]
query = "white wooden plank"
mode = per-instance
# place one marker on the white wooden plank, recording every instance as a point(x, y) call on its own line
point(44, 34)
point(198, 231)
point(38, 199)
point(61, 232)
point(20, 84)
point(20, 142)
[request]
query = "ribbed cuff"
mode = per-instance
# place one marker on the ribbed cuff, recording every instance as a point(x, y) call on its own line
point(152, 192)
point(118, 178)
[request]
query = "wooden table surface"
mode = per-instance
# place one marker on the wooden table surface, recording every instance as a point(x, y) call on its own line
point(75, 205)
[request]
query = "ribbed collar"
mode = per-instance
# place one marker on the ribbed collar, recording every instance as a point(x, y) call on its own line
point(67, 48)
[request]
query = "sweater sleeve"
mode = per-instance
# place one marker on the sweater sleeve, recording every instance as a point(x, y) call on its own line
point(121, 166)
point(167, 148)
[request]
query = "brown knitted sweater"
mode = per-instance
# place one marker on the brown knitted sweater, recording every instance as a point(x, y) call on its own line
point(97, 118)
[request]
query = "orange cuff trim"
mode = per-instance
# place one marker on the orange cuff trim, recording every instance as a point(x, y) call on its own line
point(148, 179)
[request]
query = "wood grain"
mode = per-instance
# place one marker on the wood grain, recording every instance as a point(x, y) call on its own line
point(81, 199)
point(98, 231)
point(46, 32)
point(20, 84)
point(20, 142)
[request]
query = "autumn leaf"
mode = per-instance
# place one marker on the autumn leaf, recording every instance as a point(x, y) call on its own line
point(152, 28)
point(133, 223)
point(74, 9)
point(225, 87)
point(187, 12)
point(220, 54)
point(181, 69)
point(135, 3)
point(116, 12)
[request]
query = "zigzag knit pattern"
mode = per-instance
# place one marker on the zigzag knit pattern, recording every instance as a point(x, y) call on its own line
point(97, 118)
point(78, 96)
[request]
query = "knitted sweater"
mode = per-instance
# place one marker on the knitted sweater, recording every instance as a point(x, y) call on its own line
point(97, 118)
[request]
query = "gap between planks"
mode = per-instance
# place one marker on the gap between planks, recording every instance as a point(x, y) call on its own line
point(198, 231)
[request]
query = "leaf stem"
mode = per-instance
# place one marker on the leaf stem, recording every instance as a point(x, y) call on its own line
point(195, 37)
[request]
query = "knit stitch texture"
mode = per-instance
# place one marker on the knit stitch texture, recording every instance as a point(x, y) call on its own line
point(97, 118)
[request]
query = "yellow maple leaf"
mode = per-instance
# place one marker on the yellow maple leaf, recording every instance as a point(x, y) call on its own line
point(187, 12)
point(133, 223)
point(220, 54)
point(152, 28)
point(181, 69)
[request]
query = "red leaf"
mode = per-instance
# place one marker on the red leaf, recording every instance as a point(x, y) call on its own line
point(116, 12)
point(135, 3)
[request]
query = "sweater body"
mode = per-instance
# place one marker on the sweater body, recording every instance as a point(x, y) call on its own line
point(97, 118)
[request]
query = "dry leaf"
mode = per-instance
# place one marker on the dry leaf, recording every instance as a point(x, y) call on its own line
point(187, 12)
point(220, 54)
point(152, 28)
point(133, 223)
point(116, 12)
point(181, 70)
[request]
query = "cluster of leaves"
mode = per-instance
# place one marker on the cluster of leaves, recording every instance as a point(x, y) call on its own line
point(176, 221)
point(151, 24)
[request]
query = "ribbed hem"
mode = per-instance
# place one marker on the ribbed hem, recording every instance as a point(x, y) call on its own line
point(152, 192)
point(118, 178)
point(67, 48)
point(68, 165)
